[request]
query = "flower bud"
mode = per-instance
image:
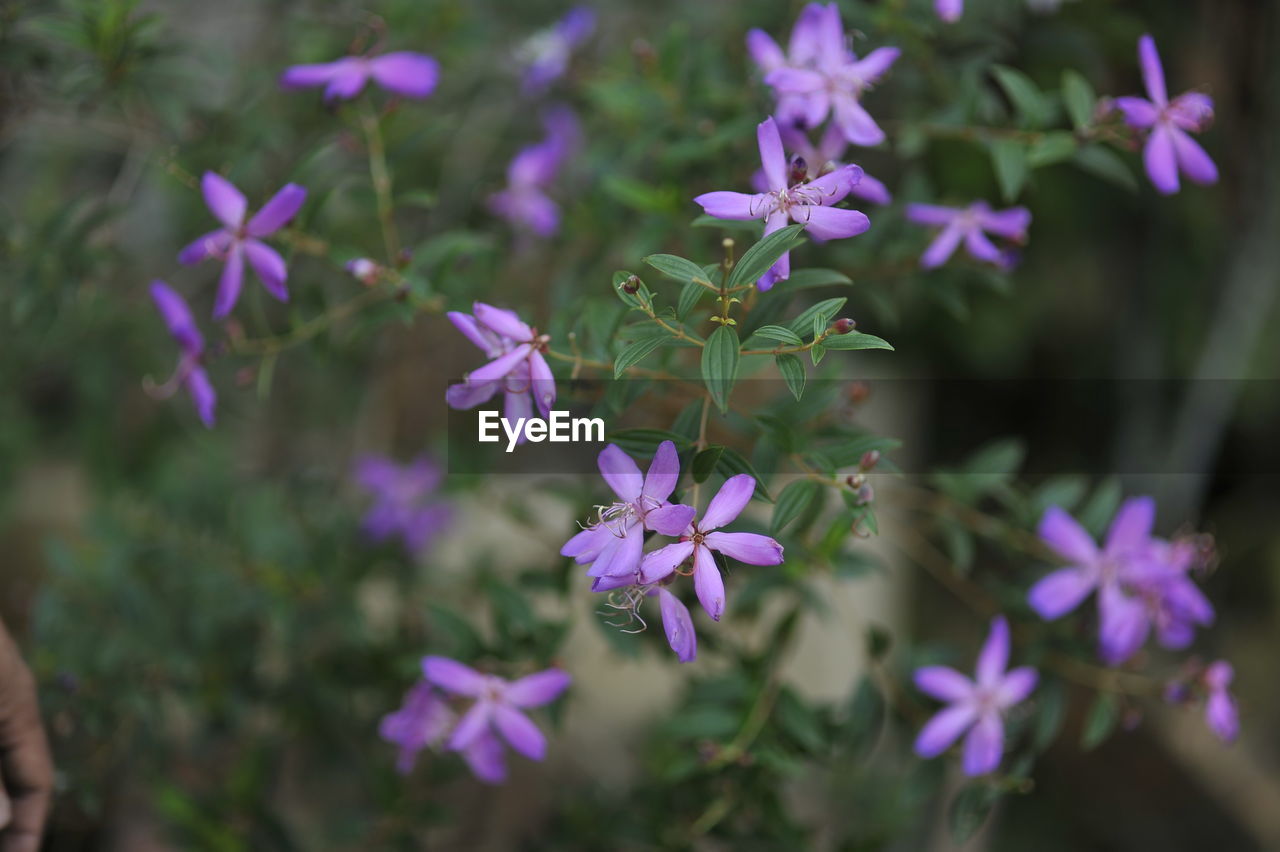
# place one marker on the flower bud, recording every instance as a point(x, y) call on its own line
point(799, 171)
point(363, 269)
point(631, 286)
point(866, 494)
point(844, 325)
point(859, 392)
point(869, 459)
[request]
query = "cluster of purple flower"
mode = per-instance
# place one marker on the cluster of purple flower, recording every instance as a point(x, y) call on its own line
point(613, 544)
point(402, 505)
point(426, 719)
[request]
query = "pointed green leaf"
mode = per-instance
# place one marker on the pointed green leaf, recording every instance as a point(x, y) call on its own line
point(1009, 158)
point(689, 296)
point(636, 352)
point(792, 502)
point(720, 365)
point(1032, 106)
point(792, 370)
point(756, 260)
point(733, 463)
point(704, 463)
point(676, 267)
point(855, 340)
point(825, 309)
point(1078, 97)
point(1102, 162)
point(780, 334)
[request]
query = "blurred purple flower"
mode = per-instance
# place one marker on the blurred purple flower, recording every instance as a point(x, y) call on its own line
point(545, 56)
point(977, 706)
point(190, 371)
point(240, 239)
point(700, 540)
point(1158, 576)
point(363, 269)
point(790, 197)
point(525, 203)
point(1220, 710)
point(613, 544)
point(516, 365)
point(413, 75)
point(1168, 147)
point(968, 224)
point(819, 75)
point(423, 721)
point(497, 710)
point(949, 10)
point(401, 500)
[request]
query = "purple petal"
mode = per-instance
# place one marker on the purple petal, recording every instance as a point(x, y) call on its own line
point(1011, 224)
point(943, 729)
point(577, 24)
point(994, 657)
point(605, 584)
point(621, 473)
point(270, 267)
point(707, 582)
point(1192, 159)
point(1160, 159)
point(1060, 592)
point(1066, 537)
point(729, 502)
point(1130, 529)
point(230, 283)
point(481, 337)
point(949, 10)
point(1191, 111)
point(1017, 685)
point(738, 206)
point(473, 724)
point(537, 689)
point(831, 223)
point(943, 683)
point(410, 74)
point(1222, 716)
point(307, 76)
point(223, 200)
point(873, 190)
point(805, 45)
point(1219, 675)
point(1137, 112)
point(781, 269)
point(349, 77)
point(856, 123)
point(772, 158)
point(764, 51)
point(177, 316)
point(942, 247)
point(212, 244)
point(984, 745)
point(543, 382)
point(453, 676)
point(751, 548)
point(519, 730)
point(1123, 625)
point(517, 406)
point(981, 248)
point(830, 38)
point(484, 756)
point(1152, 72)
point(277, 212)
point(832, 187)
point(203, 396)
point(873, 66)
point(502, 321)
point(678, 625)
point(586, 545)
point(931, 214)
point(661, 562)
point(663, 473)
point(798, 81)
point(673, 519)
point(465, 395)
point(622, 559)
point(502, 366)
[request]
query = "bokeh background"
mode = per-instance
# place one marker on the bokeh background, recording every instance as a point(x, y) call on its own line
point(214, 639)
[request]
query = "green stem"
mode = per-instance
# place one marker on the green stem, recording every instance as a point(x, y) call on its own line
point(381, 178)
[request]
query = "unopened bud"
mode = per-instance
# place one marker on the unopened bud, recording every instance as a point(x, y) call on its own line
point(799, 171)
point(363, 269)
point(869, 459)
point(866, 494)
point(855, 480)
point(859, 392)
point(844, 325)
point(631, 286)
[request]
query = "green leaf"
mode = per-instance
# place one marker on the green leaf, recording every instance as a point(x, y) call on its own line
point(1009, 158)
point(792, 370)
point(720, 365)
point(816, 353)
point(1054, 147)
point(792, 503)
point(733, 463)
point(1025, 96)
point(636, 352)
point(970, 809)
point(756, 260)
point(645, 442)
point(704, 463)
point(705, 221)
point(1101, 507)
point(676, 267)
point(780, 334)
point(1100, 722)
point(1078, 97)
point(855, 340)
point(689, 297)
point(825, 309)
point(803, 278)
point(799, 721)
point(1051, 702)
point(1102, 162)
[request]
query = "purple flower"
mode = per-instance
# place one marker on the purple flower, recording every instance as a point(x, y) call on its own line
point(190, 371)
point(422, 721)
point(814, 161)
point(1168, 147)
point(819, 75)
point(790, 197)
point(240, 239)
point(525, 203)
point(413, 75)
point(977, 706)
point(677, 624)
point(613, 544)
point(949, 10)
point(1220, 710)
point(516, 365)
point(363, 269)
point(497, 710)
point(971, 225)
point(700, 540)
point(401, 500)
point(545, 56)
point(1141, 581)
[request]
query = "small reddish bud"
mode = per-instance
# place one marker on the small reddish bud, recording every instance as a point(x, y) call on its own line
point(799, 171)
point(844, 325)
point(859, 392)
point(631, 286)
point(869, 459)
